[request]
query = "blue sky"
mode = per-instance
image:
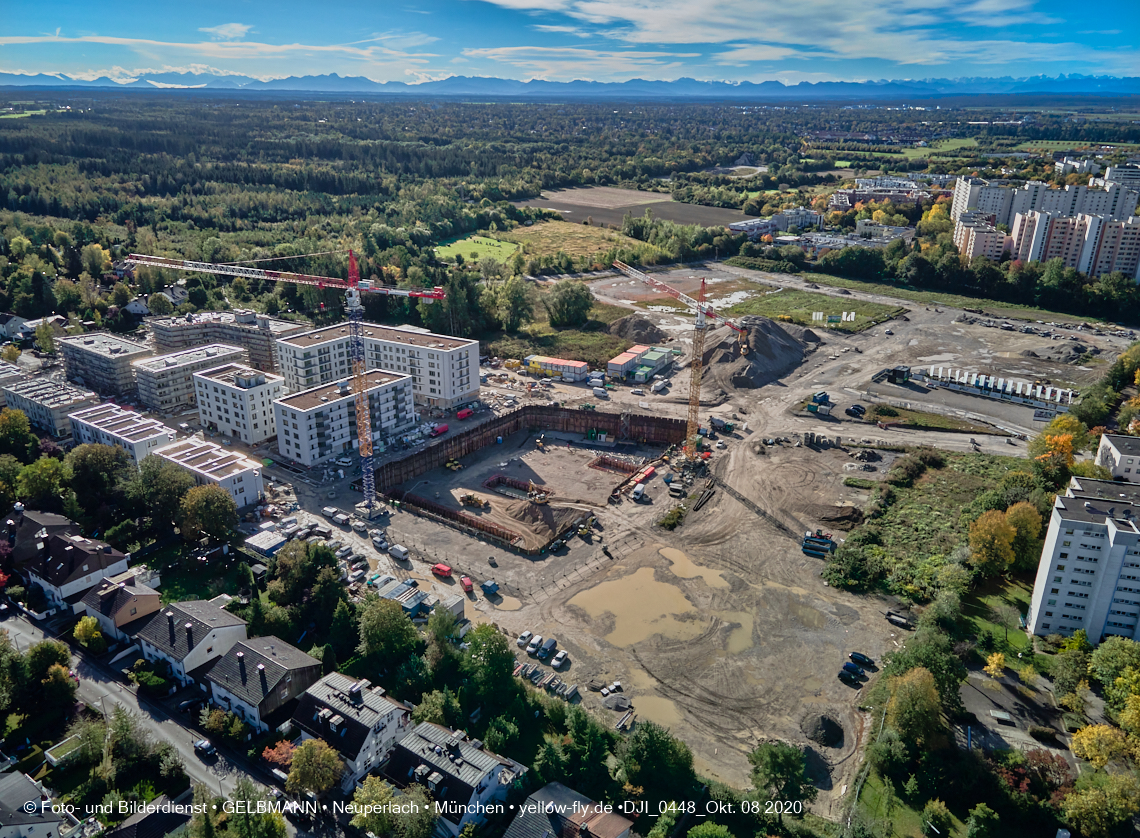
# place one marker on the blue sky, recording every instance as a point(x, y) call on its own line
point(604, 40)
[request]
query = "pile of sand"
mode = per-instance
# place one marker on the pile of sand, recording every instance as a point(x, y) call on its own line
point(638, 329)
point(1066, 353)
point(774, 350)
point(823, 729)
point(544, 520)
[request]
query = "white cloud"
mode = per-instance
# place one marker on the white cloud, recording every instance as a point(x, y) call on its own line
point(571, 62)
point(227, 31)
point(564, 30)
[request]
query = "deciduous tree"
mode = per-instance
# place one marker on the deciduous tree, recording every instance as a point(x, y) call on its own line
point(1099, 744)
point(1102, 803)
point(914, 709)
point(386, 631)
point(779, 772)
point(372, 800)
point(991, 543)
point(208, 510)
point(316, 767)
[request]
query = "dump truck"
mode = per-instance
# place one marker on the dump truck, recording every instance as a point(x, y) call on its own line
point(721, 425)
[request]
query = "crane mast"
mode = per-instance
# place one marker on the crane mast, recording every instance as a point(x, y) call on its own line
point(355, 310)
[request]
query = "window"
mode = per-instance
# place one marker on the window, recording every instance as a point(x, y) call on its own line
point(1067, 544)
point(1054, 590)
point(1060, 567)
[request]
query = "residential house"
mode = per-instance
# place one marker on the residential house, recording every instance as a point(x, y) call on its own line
point(160, 818)
point(17, 791)
point(260, 679)
point(556, 811)
point(1121, 456)
point(189, 636)
point(27, 329)
point(10, 324)
point(67, 566)
point(25, 528)
point(118, 601)
point(355, 718)
point(460, 774)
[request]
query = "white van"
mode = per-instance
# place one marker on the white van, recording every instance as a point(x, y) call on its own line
point(398, 551)
point(637, 391)
point(601, 393)
point(638, 491)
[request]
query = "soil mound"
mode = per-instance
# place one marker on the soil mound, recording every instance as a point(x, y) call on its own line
point(638, 329)
point(1065, 353)
point(844, 517)
point(544, 520)
point(774, 350)
point(823, 729)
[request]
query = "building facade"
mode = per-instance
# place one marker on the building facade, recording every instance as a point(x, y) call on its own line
point(1089, 575)
point(9, 374)
point(1093, 244)
point(975, 236)
point(223, 467)
point(47, 403)
point(444, 371)
point(166, 382)
point(256, 333)
point(1004, 201)
point(102, 361)
point(256, 678)
point(188, 636)
point(109, 424)
point(238, 401)
point(118, 601)
point(68, 565)
point(319, 424)
point(1121, 456)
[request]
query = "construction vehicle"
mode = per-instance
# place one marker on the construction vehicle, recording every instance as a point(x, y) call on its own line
point(454, 465)
point(536, 495)
point(721, 425)
point(471, 499)
point(540, 443)
point(352, 288)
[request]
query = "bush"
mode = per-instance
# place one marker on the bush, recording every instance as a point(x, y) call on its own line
point(673, 518)
point(860, 483)
point(883, 410)
point(1041, 733)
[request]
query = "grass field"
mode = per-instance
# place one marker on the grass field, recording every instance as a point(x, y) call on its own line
point(799, 305)
point(1066, 145)
point(474, 248)
point(548, 237)
point(592, 344)
point(903, 818)
point(977, 604)
point(18, 115)
point(915, 153)
point(937, 422)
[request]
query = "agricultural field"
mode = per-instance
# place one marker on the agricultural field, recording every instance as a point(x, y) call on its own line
point(546, 238)
point(799, 305)
point(474, 248)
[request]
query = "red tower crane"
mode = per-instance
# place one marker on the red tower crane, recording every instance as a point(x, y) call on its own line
point(352, 288)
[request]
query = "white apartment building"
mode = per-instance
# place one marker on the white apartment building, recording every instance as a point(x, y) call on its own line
point(166, 382)
point(975, 236)
point(102, 361)
point(1004, 201)
point(238, 401)
point(9, 374)
point(256, 333)
point(1127, 176)
point(1089, 575)
point(319, 424)
point(109, 424)
point(444, 370)
point(1093, 244)
point(210, 463)
point(1121, 456)
point(47, 403)
point(1075, 164)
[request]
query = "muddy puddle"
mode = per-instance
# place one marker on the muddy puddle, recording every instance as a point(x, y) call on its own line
point(507, 603)
point(740, 638)
point(654, 708)
point(685, 568)
point(641, 607)
point(807, 616)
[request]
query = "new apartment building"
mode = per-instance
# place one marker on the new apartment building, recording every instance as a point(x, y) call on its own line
point(109, 424)
point(1127, 176)
point(256, 333)
point(212, 464)
point(9, 373)
point(47, 403)
point(238, 401)
point(166, 382)
point(320, 423)
point(974, 236)
point(1120, 455)
point(444, 371)
point(102, 361)
point(1004, 201)
point(1089, 575)
point(1093, 244)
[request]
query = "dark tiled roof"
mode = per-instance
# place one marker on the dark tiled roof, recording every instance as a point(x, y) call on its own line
point(1127, 445)
point(109, 598)
point(360, 710)
point(16, 789)
point(21, 527)
point(460, 763)
point(166, 630)
point(263, 663)
point(149, 824)
point(67, 557)
point(551, 813)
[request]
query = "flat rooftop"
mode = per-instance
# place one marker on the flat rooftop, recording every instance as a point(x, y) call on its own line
point(1126, 445)
point(186, 357)
point(329, 393)
point(427, 340)
point(49, 393)
point(206, 458)
point(105, 343)
point(125, 424)
point(241, 320)
point(233, 375)
point(1095, 501)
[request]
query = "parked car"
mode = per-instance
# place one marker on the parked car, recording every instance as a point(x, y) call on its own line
point(861, 659)
point(341, 519)
point(535, 642)
point(203, 748)
point(330, 511)
point(189, 705)
point(559, 659)
point(547, 648)
point(466, 583)
point(344, 552)
point(356, 576)
point(524, 638)
point(853, 669)
point(380, 544)
point(441, 570)
point(849, 679)
point(359, 526)
point(858, 408)
point(398, 551)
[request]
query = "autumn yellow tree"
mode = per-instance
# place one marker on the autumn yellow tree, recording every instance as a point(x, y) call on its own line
point(915, 709)
point(995, 664)
point(991, 543)
point(1026, 522)
point(1099, 744)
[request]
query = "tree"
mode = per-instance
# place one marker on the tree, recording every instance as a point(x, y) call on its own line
point(372, 800)
point(159, 489)
point(569, 304)
point(87, 632)
point(15, 434)
point(708, 829)
point(489, 663)
point(1026, 522)
point(513, 304)
point(344, 629)
point(1064, 424)
point(1102, 804)
point(159, 305)
point(779, 772)
point(914, 709)
point(418, 816)
point(248, 819)
point(280, 755)
point(315, 767)
point(45, 654)
point(935, 819)
point(659, 763)
point(991, 543)
point(10, 353)
point(1099, 744)
point(995, 665)
point(96, 471)
point(440, 707)
point(1109, 660)
point(386, 631)
point(95, 259)
point(1006, 615)
point(45, 338)
point(41, 483)
point(58, 689)
point(210, 510)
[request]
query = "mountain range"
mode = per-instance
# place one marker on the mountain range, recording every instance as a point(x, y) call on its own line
point(683, 88)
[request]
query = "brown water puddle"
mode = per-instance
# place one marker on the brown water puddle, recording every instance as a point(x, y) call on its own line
point(739, 638)
point(654, 708)
point(684, 567)
point(808, 616)
point(642, 607)
point(507, 603)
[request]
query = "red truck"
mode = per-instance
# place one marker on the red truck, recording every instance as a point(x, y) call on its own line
point(438, 430)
